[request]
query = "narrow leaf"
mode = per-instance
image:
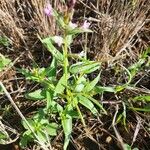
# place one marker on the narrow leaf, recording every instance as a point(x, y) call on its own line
point(51, 71)
point(58, 55)
point(60, 85)
point(92, 84)
point(67, 127)
point(49, 97)
point(141, 109)
point(88, 104)
point(52, 129)
point(84, 67)
point(80, 84)
point(4, 62)
point(36, 95)
point(96, 103)
point(100, 89)
point(142, 98)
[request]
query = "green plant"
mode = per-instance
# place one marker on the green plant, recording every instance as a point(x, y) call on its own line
point(132, 70)
point(65, 86)
point(128, 147)
point(4, 62)
point(41, 126)
point(4, 41)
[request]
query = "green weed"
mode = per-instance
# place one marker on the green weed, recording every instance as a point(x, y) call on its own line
point(66, 91)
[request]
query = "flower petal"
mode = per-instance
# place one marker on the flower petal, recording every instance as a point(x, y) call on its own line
point(58, 40)
point(48, 10)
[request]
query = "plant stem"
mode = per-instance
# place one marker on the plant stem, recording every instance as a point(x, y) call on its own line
point(80, 114)
point(65, 52)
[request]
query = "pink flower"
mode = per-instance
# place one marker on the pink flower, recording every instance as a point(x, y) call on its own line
point(58, 40)
point(72, 25)
point(48, 10)
point(85, 25)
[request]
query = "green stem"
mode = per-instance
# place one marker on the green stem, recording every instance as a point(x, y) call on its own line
point(80, 114)
point(65, 53)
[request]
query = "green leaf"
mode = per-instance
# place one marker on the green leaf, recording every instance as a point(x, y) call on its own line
point(25, 139)
point(51, 129)
point(4, 62)
point(42, 136)
point(51, 71)
point(49, 98)
point(120, 88)
point(55, 107)
point(29, 75)
point(67, 127)
point(69, 39)
point(87, 103)
point(146, 109)
point(60, 87)
point(92, 84)
point(84, 67)
point(58, 55)
point(135, 148)
point(1, 90)
point(39, 117)
point(43, 121)
point(100, 89)
point(126, 147)
point(36, 95)
point(31, 123)
point(3, 136)
point(145, 98)
point(96, 103)
point(59, 18)
point(80, 84)
point(4, 41)
point(73, 114)
point(136, 66)
point(119, 118)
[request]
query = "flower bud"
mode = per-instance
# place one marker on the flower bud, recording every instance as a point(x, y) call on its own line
point(58, 40)
point(86, 25)
point(72, 25)
point(48, 10)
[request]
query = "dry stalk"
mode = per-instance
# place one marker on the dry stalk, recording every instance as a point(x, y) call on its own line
point(118, 27)
point(119, 138)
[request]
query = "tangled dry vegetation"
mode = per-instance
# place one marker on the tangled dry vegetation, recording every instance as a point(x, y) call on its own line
point(121, 34)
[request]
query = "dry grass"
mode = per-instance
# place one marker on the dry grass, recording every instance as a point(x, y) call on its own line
point(21, 21)
point(119, 27)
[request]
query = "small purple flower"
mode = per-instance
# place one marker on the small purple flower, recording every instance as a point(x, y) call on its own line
point(48, 10)
point(58, 40)
point(85, 25)
point(72, 25)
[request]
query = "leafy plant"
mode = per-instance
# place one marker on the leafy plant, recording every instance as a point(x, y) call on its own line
point(66, 91)
point(41, 126)
point(4, 41)
point(4, 62)
point(128, 147)
point(134, 69)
